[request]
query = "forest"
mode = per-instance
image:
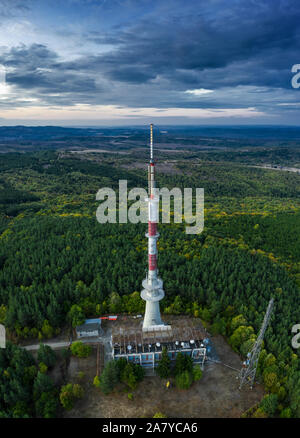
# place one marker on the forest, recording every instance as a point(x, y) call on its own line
point(58, 264)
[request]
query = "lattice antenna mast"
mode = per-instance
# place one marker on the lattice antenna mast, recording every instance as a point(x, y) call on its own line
point(248, 371)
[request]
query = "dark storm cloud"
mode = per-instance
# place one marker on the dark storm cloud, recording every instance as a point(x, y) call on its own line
point(52, 82)
point(29, 58)
point(174, 47)
point(263, 34)
point(130, 74)
point(250, 43)
point(38, 68)
point(12, 8)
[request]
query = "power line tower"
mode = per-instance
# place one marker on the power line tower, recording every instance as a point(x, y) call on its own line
point(248, 371)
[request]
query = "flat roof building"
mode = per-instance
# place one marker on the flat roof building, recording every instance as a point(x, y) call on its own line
point(142, 347)
point(90, 328)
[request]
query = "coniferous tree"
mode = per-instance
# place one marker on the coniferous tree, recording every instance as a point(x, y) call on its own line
point(163, 368)
point(109, 377)
point(46, 355)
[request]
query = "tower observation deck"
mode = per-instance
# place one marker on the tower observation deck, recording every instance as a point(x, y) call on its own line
point(152, 291)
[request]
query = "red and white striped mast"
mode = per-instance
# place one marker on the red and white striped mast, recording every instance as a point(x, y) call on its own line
point(152, 284)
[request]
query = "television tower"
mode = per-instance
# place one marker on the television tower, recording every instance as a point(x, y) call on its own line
point(153, 285)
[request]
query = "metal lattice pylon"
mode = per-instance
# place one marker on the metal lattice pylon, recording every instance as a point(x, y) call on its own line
point(248, 372)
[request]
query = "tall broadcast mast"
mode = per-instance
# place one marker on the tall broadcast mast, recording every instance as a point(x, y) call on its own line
point(248, 371)
point(153, 285)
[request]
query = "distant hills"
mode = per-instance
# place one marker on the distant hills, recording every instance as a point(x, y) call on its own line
point(43, 132)
point(13, 133)
point(179, 138)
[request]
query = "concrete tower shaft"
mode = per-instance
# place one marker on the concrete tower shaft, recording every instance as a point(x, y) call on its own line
point(152, 284)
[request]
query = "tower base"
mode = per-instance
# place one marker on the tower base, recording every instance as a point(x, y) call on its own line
point(158, 328)
point(152, 315)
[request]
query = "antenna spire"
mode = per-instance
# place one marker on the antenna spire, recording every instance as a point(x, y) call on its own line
point(151, 143)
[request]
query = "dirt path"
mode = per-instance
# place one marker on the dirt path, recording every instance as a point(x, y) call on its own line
point(54, 345)
point(280, 168)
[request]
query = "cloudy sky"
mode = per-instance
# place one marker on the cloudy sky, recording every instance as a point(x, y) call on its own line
point(128, 62)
